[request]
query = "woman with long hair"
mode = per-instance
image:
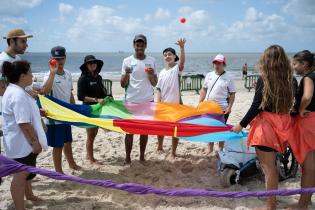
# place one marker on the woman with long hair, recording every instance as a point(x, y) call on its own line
point(269, 114)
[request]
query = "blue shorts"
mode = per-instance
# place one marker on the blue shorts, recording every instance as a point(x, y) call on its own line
point(58, 134)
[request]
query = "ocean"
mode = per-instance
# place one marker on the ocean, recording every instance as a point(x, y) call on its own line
point(196, 63)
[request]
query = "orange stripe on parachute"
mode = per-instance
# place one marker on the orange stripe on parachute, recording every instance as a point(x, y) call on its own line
point(171, 112)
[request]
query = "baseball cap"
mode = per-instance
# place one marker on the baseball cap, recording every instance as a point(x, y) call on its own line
point(140, 37)
point(219, 58)
point(58, 52)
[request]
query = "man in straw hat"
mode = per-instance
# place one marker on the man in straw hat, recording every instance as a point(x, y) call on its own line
point(17, 44)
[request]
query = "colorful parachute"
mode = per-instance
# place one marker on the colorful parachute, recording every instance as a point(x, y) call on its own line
point(203, 123)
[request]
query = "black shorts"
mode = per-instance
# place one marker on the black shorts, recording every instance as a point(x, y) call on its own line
point(264, 148)
point(29, 160)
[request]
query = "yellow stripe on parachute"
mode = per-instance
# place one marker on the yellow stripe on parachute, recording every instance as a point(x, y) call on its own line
point(61, 113)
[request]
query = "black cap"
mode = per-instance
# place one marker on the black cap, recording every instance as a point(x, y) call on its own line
point(58, 52)
point(172, 51)
point(140, 37)
point(91, 58)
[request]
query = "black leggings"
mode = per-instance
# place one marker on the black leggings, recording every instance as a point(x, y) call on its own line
point(264, 148)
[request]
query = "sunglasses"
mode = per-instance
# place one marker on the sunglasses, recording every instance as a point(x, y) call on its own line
point(59, 59)
point(91, 62)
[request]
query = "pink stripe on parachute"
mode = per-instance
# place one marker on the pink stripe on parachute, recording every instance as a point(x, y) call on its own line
point(143, 111)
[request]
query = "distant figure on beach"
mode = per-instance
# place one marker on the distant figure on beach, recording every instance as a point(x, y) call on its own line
point(269, 114)
point(244, 70)
point(219, 87)
point(91, 91)
point(138, 77)
point(168, 89)
point(24, 136)
point(58, 83)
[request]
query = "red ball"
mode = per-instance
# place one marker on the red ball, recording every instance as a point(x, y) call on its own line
point(53, 62)
point(183, 20)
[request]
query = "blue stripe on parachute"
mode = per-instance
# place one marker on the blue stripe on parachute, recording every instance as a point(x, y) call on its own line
point(212, 137)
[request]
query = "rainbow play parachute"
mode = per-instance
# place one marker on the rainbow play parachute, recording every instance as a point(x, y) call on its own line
point(203, 123)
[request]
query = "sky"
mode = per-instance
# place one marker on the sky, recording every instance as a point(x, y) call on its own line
point(211, 26)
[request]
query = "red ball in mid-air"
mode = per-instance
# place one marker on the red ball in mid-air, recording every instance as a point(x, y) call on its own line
point(183, 20)
point(53, 62)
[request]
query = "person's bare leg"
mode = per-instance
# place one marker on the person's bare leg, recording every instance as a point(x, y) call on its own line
point(91, 134)
point(29, 192)
point(57, 158)
point(307, 179)
point(268, 163)
point(221, 145)
point(160, 143)
point(210, 148)
point(18, 189)
point(67, 150)
point(128, 147)
point(143, 145)
point(172, 155)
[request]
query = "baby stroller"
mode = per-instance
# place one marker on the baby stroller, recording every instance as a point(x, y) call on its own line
point(237, 161)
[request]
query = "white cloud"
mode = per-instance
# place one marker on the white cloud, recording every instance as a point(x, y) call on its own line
point(257, 26)
point(15, 7)
point(303, 11)
point(185, 10)
point(12, 13)
point(65, 9)
point(197, 25)
point(162, 13)
point(14, 20)
point(101, 22)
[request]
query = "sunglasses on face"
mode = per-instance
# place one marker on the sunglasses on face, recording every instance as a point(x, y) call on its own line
point(91, 62)
point(59, 59)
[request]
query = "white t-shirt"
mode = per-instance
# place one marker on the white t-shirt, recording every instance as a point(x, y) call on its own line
point(168, 83)
point(62, 87)
point(4, 56)
point(19, 107)
point(220, 89)
point(139, 89)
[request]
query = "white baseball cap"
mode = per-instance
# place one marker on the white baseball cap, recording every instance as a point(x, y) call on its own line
point(219, 58)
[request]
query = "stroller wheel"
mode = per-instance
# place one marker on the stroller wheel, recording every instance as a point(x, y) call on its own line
point(227, 177)
point(286, 164)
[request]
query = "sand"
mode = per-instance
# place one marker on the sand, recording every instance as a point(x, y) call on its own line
point(192, 169)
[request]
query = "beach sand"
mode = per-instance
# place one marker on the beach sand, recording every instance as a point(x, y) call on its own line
point(192, 169)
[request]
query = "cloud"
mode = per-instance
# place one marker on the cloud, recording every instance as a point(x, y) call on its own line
point(198, 24)
point(302, 11)
point(100, 22)
point(257, 26)
point(16, 7)
point(12, 13)
point(65, 9)
point(158, 15)
point(162, 14)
